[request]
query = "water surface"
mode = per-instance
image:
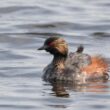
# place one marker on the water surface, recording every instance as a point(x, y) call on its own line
point(24, 25)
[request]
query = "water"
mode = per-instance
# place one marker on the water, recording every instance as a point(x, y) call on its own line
point(24, 25)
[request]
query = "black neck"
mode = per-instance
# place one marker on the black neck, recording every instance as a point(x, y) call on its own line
point(59, 59)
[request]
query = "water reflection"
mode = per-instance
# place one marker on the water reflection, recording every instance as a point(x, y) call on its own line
point(59, 89)
point(24, 24)
point(62, 89)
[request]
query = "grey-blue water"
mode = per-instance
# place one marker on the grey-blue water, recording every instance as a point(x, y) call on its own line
point(24, 25)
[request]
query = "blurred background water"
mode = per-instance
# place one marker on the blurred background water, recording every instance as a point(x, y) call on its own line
point(24, 25)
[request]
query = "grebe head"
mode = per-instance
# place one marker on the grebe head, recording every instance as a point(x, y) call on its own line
point(56, 46)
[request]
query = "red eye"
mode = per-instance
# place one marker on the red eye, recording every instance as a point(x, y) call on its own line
point(51, 44)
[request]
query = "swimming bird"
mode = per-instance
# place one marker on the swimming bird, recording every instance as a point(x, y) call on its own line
point(77, 67)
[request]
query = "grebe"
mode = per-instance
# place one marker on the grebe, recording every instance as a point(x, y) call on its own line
point(75, 67)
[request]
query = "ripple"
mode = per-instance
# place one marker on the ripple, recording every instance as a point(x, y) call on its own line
point(5, 55)
point(11, 9)
point(101, 34)
point(24, 25)
point(16, 106)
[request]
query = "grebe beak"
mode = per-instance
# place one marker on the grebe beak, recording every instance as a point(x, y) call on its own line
point(42, 48)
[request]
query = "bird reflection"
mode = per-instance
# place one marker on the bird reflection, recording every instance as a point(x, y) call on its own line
point(61, 89)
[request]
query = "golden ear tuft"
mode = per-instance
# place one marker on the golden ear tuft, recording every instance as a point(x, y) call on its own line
point(61, 45)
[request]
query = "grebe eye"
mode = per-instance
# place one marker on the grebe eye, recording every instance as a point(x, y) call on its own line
point(50, 44)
